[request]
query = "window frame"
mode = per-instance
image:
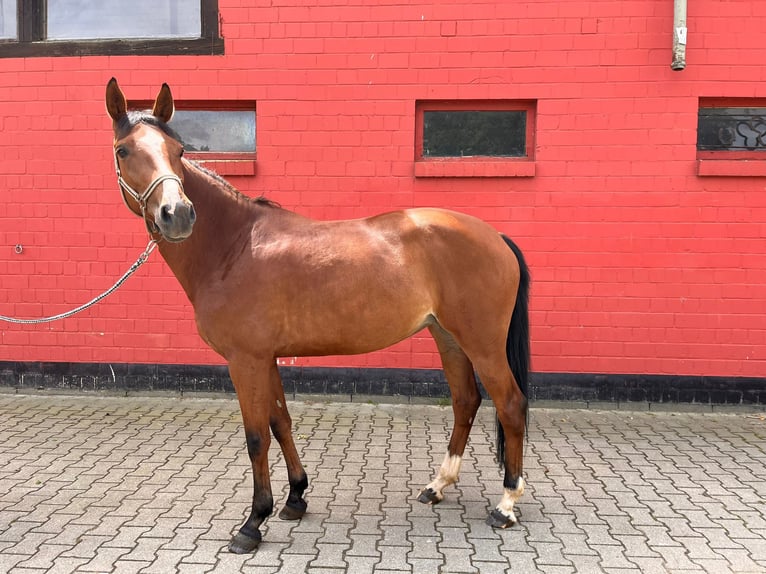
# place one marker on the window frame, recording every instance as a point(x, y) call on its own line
point(222, 162)
point(737, 163)
point(31, 41)
point(476, 166)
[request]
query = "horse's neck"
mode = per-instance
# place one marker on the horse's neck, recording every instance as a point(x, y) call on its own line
point(222, 218)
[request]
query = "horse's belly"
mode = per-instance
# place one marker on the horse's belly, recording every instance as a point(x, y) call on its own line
point(346, 332)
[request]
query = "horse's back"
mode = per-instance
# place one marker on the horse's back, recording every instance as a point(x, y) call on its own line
point(458, 242)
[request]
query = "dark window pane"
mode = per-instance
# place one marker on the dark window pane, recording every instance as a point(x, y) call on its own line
point(474, 133)
point(85, 19)
point(731, 129)
point(8, 29)
point(216, 130)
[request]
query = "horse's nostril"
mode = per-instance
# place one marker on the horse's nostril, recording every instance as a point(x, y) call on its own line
point(166, 213)
point(192, 214)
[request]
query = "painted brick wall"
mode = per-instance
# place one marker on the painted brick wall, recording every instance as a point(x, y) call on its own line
point(639, 264)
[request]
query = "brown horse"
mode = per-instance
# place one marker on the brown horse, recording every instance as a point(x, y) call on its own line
point(267, 283)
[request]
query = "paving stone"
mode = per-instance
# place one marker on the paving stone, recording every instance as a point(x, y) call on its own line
point(741, 561)
point(675, 558)
point(105, 560)
point(425, 547)
point(657, 536)
point(364, 545)
point(361, 564)
point(456, 560)
point(31, 543)
point(329, 556)
point(636, 546)
point(165, 561)
point(426, 566)
point(550, 554)
point(575, 544)
point(394, 556)
point(205, 552)
point(397, 536)
point(63, 565)
point(18, 529)
point(9, 561)
point(44, 558)
point(757, 548)
point(228, 562)
point(295, 563)
point(129, 566)
point(491, 567)
point(581, 564)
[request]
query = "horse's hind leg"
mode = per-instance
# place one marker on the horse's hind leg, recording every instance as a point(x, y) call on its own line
point(281, 426)
point(465, 402)
point(511, 407)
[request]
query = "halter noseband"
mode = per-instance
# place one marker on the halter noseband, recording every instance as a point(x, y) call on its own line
point(142, 198)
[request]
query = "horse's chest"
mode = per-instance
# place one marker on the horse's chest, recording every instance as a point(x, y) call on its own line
point(229, 324)
point(208, 334)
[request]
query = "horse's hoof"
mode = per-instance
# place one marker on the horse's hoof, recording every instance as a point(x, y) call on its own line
point(429, 496)
point(293, 511)
point(242, 544)
point(497, 519)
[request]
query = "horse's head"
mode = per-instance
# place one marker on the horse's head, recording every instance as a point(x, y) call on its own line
point(147, 157)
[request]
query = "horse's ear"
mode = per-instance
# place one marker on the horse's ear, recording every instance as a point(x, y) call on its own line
point(116, 104)
point(163, 105)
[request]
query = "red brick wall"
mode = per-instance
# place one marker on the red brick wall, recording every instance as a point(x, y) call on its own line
point(639, 264)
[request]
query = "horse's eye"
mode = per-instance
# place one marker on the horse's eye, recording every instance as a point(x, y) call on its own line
point(182, 152)
point(122, 152)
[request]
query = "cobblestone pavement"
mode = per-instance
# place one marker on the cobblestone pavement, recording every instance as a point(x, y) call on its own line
point(158, 485)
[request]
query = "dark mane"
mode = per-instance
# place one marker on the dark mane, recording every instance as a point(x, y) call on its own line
point(133, 118)
point(260, 200)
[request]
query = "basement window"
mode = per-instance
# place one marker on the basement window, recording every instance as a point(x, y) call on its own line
point(219, 135)
point(731, 137)
point(222, 138)
point(478, 138)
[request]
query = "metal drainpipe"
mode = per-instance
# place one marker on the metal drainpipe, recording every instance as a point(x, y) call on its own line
point(679, 35)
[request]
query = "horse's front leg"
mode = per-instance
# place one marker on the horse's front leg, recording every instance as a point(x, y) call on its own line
point(281, 426)
point(251, 381)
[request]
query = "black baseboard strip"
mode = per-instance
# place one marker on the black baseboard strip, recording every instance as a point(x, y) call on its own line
point(404, 383)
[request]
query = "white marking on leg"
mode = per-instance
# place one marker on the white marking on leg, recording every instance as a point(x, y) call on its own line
point(447, 475)
point(510, 496)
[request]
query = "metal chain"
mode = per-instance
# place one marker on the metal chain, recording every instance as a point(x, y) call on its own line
point(133, 268)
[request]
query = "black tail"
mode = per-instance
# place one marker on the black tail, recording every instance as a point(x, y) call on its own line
point(517, 344)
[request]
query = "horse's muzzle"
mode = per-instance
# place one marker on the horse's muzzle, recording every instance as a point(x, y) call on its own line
point(175, 219)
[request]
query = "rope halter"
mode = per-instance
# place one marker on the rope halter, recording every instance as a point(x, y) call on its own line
point(142, 198)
